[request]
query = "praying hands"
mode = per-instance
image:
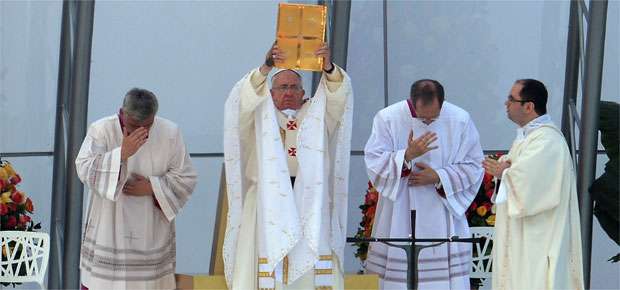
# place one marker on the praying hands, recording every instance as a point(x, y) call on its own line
point(494, 167)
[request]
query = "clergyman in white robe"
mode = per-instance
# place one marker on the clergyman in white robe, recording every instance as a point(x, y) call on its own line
point(279, 235)
point(129, 241)
point(537, 242)
point(457, 162)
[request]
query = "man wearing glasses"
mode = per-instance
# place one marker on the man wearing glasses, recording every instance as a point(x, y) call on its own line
point(537, 243)
point(424, 154)
point(287, 173)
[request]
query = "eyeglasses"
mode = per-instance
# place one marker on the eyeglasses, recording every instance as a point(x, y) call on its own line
point(513, 100)
point(293, 88)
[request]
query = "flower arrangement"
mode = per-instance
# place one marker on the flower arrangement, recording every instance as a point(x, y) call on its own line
point(15, 206)
point(481, 212)
point(368, 217)
point(15, 209)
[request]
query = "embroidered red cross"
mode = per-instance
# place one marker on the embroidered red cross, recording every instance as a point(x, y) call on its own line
point(292, 151)
point(291, 125)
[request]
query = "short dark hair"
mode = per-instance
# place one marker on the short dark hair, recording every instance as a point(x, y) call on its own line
point(426, 90)
point(535, 92)
point(140, 104)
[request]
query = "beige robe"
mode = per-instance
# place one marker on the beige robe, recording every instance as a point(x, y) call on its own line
point(246, 233)
point(129, 241)
point(537, 243)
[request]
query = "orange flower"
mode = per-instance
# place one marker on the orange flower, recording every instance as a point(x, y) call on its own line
point(481, 210)
point(29, 205)
point(491, 220)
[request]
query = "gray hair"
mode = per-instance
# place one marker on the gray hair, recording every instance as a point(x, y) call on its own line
point(140, 104)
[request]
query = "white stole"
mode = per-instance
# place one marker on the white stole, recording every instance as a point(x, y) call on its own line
point(291, 224)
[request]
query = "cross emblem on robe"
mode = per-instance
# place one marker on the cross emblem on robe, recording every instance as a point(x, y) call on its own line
point(292, 152)
point(291, 125)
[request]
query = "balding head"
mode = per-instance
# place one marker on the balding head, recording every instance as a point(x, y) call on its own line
point(427, 98)
point(426, 91)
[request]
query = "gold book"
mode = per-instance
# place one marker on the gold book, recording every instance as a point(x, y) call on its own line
point(300, 32)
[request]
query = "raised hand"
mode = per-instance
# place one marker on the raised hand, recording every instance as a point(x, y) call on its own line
point(426, 175)
point(494, 167)
point(132, 142)
point(138, 185)
point(326, 54)
point(419, 146)
point(274, 55)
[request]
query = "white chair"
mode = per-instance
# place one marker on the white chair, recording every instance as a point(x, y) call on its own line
point(25, 256)
point(481, 257)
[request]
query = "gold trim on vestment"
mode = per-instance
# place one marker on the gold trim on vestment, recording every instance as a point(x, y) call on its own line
point(265, 275)
point(285, 270)
point(323, 271)
point(325, 257)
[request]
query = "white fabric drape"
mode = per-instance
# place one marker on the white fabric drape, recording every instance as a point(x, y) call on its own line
point(305, 223)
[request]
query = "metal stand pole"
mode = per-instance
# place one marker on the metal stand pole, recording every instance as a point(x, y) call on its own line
point(413, 250)
point(77, 130)
point(588, 140)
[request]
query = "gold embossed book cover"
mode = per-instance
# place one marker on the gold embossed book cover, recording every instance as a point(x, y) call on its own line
point(300, 32)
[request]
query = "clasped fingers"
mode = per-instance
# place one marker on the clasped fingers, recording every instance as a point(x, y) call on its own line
point(494, 167)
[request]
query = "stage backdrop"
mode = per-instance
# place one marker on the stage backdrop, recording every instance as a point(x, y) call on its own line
point(190, 53)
